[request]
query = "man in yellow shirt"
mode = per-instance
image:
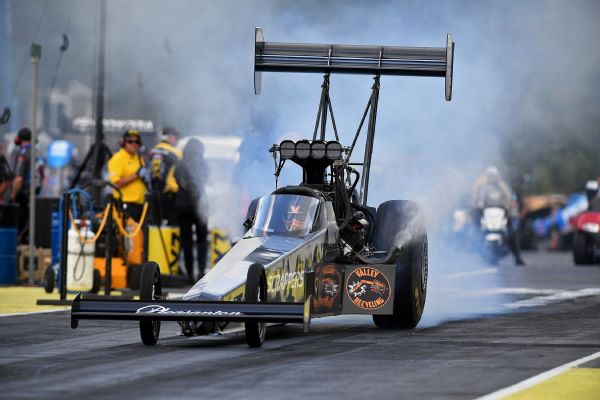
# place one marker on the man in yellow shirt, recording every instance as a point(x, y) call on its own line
point(126, 170)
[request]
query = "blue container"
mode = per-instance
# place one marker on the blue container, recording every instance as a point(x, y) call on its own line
point(55, 237)
point(8, 256)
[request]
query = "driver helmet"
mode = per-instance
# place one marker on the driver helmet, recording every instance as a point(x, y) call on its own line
point(295, 218)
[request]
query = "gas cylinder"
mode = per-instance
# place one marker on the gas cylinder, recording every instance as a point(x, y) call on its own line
point(80, 260)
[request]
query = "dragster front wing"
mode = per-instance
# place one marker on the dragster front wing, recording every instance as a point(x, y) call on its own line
point(177, 310)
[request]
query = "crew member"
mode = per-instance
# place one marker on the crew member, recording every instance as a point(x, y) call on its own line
point(127, 171)
point(163, 160)
point(491, 184)
point(6, 175)
point(191, 175)
point(21, 185)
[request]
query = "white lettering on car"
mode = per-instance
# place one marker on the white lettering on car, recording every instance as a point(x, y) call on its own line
point(157, 309)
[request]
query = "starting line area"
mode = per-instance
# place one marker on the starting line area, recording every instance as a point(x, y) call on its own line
point(20, 300)
point(16, 300)
point(579, 379)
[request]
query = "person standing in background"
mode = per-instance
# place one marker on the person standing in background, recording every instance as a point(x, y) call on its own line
point(21, 183)
point(6, 175)
point(191, 176)
point(126, 170)
point(162, 161)
point(491, 182)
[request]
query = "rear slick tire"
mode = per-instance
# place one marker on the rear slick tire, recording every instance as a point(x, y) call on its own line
point(150, 290)
point(255, 291)
point(410, 288)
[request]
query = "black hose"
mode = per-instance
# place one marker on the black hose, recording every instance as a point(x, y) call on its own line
point(343, 193)
point(76, 277)
point(352, 170)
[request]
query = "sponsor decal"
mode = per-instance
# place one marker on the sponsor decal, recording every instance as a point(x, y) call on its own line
point(368, 288)
point(290, 280)
point(157, 309)
point(285, 281)
point(327, 286)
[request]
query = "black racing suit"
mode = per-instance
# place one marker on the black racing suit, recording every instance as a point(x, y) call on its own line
point(22, 168)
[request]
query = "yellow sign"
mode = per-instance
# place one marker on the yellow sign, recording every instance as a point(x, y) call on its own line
point(219, 245)
point(163, 248)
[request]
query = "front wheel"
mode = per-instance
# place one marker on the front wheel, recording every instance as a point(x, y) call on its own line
point(150, 290)
point(412, 271)
point(255, 291)
point(96, 282)
point(49, 280)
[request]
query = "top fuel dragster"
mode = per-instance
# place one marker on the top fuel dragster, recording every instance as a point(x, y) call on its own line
point(316, 249)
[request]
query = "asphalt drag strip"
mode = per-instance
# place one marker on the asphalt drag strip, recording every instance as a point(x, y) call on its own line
point(459, 351)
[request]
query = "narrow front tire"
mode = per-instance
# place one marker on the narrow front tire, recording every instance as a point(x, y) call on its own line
point(255, 291)
point(150, 290)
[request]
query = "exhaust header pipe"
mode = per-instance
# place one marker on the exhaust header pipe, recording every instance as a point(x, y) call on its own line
point(352, 59)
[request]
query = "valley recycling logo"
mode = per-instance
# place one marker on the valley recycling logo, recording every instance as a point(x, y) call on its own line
point(368, 288)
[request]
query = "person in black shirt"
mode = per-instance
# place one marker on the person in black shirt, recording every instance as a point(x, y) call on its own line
point(191, 175)
point(21, 185)
point(6, 175)
point(162, 161)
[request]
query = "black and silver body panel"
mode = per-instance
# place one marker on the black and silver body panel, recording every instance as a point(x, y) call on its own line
point(285, 259)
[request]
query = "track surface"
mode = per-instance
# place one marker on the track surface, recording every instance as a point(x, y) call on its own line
point(485, 328)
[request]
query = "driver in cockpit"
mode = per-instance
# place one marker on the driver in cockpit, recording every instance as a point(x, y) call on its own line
point(295, 218)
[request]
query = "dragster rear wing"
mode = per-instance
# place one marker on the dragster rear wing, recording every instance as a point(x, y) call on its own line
point(353, 59)
point(176, 310)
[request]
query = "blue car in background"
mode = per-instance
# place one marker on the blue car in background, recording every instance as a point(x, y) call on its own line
point(557, 226)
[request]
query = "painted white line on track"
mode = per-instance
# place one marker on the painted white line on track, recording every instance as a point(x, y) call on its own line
point(554, 298)
point(477, 272)
point(538, 378)
point(521, 291)
point(494, 291)
point(35, 312)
